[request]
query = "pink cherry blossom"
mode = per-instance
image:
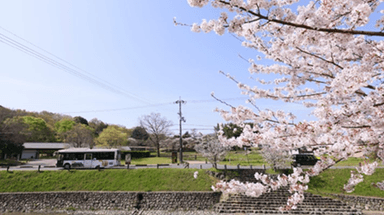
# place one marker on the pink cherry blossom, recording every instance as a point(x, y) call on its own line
point(329, 59)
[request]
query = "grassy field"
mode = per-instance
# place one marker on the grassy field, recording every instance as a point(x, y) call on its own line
point(354, 162)
point(150, 160)
point(232, 158)
point(165, 158)
point(332, 181)
point(106, 180)
point(240, 157)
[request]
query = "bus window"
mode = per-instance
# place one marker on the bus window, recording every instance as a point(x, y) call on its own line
point(88, 156)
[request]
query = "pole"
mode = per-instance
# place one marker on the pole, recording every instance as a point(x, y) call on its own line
point(181, 131)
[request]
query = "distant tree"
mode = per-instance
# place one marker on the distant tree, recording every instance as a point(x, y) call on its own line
point(12, 135)
point(189, 140)
point(212, 149)
point(140, 133)
point(275, 157)
point(186, 135)
point(9, 148)
point(81, 120)
point(5, 113)
point(62, 127)
point(171, 143)
point(14, 130)
point(112, 136)
point(51, 118)
point(230, 130)
point(97, 125)
point(80, 136)
point(157, 127)
point(37, 130)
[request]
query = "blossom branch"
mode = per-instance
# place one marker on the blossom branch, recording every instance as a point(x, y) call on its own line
point(296, 25)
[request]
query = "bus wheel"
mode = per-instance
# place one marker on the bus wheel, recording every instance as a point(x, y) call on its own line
point(98, 168)
point(67, 166)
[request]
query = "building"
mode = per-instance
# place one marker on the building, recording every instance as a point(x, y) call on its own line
point(33, 150)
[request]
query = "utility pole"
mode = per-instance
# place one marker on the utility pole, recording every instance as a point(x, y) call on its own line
point(181, 131)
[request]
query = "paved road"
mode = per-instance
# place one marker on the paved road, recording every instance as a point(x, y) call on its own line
point(49, 164)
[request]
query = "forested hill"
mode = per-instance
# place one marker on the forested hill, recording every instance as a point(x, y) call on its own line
point(20, 126)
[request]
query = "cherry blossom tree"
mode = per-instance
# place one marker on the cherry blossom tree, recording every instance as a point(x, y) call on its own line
point(212, 149)
point(328, 58)
point(276, 158)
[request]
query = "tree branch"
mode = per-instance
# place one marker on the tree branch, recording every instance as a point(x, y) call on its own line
point(327, 30)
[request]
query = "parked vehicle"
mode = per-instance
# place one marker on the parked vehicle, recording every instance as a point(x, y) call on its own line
point(303, 160)
point(88, 158)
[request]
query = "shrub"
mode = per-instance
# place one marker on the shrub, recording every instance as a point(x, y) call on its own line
point(136, 154)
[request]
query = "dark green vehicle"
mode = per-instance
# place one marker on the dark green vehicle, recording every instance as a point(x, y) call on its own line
point(304, 160)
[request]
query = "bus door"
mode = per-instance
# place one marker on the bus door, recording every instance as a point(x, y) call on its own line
point(88, 160)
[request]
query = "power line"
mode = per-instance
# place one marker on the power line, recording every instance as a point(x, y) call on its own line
point(198, 125)
point(151, 105)
point(208, 129)
point(214, 100)
point(30, 51)
point(120, 109)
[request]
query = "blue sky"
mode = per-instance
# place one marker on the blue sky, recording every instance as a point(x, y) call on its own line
point(131, 46)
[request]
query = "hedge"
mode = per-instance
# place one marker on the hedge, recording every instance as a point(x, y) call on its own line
point(135, 154)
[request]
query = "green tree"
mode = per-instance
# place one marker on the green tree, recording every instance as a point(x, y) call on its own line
point(139, 133)
point(97, 125)
point(81, 120)
point(62, 127)
point(12, 136)
point(112, 136)
point(38, 130)
point(80, 136)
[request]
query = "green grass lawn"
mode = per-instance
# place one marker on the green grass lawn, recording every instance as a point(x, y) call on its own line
point(106, 180)
point(165, 158)
point(353, 161)
point(239, 157)
point(151, 160)
point(332, 181)
point(232, 158)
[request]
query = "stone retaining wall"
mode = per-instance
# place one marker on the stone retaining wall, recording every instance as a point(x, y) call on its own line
point(362, 202)
point(34, 201)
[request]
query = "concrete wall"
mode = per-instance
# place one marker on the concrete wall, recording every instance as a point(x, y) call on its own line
point(27, 154)
point(34, 201)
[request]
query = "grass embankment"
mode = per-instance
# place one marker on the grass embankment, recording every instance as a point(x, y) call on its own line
point(332, 181)
point(106, 180)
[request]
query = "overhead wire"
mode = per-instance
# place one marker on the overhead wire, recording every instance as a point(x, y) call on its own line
point(27, 50)
point(120, 109)
point(151, 105)
point(60, 58)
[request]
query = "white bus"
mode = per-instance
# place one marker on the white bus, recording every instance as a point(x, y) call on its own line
point(88, 158)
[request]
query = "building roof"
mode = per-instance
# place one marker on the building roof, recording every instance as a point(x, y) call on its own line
point(50, 146)
point(85, 150)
